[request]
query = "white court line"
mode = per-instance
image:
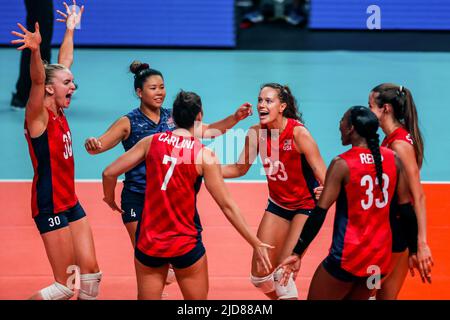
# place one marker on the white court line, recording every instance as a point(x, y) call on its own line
point(226, 180)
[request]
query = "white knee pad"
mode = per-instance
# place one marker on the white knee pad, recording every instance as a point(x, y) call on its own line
point(285, 292)
point(89, 284)
point(265, 284)
point(170, 276)
point(56, 291)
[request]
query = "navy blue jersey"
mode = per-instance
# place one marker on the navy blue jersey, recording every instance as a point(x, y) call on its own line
point(141, 127)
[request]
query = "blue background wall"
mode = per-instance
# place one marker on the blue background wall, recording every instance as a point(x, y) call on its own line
point(395, 14)
point(140, 22)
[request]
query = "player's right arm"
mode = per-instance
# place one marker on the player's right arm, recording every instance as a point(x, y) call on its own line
point(246, 157)
point(35, 113)
point(216, 186)
point(117, 132)
point(124, 163)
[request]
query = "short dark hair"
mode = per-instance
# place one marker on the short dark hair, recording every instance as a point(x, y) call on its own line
point(186, 107)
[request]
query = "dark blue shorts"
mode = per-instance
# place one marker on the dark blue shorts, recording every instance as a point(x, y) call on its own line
point(47, 222)
point(399, 243)
point(333, 267)
point(179, 262)
point(272, 207)
point(132, 203)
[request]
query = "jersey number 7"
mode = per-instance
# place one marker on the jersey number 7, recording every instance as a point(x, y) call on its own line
point(173, 162)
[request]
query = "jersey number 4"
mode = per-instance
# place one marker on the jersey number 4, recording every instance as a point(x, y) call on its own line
point(173, 162)
point(368, 181)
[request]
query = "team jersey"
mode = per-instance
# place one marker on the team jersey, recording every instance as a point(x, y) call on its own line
point(362, 233)
point(51, 153)
point(141, 127)
point(290, 179)
point(170, 225)
point(398, 134)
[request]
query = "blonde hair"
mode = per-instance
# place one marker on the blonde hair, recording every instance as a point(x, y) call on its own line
point(51, 69)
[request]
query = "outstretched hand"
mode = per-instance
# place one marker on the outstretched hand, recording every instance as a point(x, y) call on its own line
point(72, 18)
point(30, 40)
point(415, 264)
point(290, 265)
point(262, 257)
point(425, 261)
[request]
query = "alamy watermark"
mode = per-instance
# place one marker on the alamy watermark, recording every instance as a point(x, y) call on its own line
point(374, 279)
point(374, 20)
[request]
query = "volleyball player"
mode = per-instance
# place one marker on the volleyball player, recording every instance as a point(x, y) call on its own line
point(169, 231)
point(293, 167)
point(363, 182)
point(59, 217)
point(396, 111)
point(150, 118)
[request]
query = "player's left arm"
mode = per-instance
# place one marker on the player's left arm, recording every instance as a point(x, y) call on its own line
point(305, 144)
point(71, 18)
point(124, 163)
point(336, 176)
point(220, 127)
point(406, 153)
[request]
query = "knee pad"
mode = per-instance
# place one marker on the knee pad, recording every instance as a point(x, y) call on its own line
point(285, 292)
point(265, 284)
point(170, 276)
point(56, 291)
point(89, 284)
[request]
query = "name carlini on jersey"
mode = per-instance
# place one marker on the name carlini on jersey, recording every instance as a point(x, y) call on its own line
point(174, 141)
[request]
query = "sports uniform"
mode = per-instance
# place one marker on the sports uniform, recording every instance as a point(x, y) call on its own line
point(291, 180)
point(169, 230)
point(361, 234)
point(399, 242)
point(132, 197)
point(53, 200)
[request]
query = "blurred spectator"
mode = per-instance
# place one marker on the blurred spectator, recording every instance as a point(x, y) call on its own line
point(296, 14)
point(37, 11)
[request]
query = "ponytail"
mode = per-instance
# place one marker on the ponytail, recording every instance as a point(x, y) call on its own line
point(405, 112)
point(366, 125)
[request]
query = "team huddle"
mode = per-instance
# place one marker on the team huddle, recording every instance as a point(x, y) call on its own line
point(380, 219)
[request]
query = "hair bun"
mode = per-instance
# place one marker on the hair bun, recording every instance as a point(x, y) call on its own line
point(137, 66)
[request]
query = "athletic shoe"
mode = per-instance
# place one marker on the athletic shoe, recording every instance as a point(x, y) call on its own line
point(254, 17)
point(294, 18)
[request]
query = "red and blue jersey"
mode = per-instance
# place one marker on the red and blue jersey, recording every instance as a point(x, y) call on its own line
point(170, 225)
point(362, 234)
point(398, 134)
point(290, 178)
point(140, 127)
point(51, 153)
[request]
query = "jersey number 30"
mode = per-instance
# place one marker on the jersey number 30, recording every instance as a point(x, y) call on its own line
point(67, 139)
point(173, 162)
point(368, 181)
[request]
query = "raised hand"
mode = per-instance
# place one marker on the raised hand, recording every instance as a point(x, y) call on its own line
point(243, 111)
point(30, 40)
point(71, 17)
